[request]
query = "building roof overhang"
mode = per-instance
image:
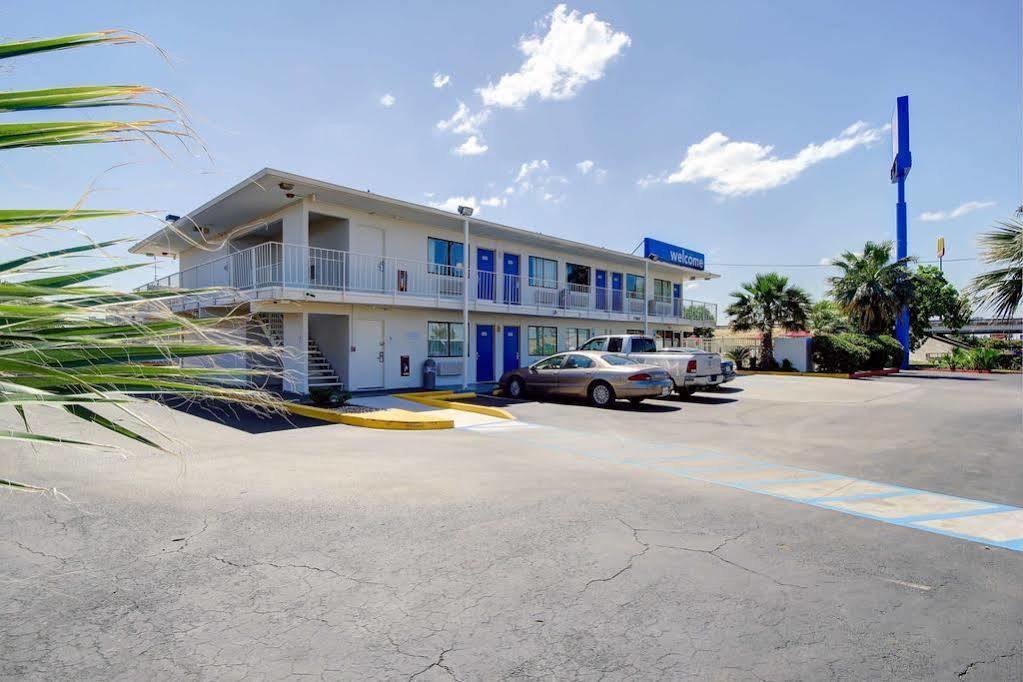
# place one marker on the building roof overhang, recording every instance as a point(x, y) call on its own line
point(251, 202)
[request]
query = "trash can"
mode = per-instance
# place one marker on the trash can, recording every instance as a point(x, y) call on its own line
point(430, 374)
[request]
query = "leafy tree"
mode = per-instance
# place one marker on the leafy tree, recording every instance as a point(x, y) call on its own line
point(872, 287)
point(66, 343)
point(766, 303)
point(1001, 288)
point(827, 318)
point(935, 297)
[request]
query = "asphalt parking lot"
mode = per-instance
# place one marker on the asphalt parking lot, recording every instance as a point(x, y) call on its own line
point(573, 543)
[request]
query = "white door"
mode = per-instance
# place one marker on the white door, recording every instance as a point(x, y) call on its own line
point(366, 261)
point(367, 359)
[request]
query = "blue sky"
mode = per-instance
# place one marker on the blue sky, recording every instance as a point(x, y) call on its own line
point(751, 133)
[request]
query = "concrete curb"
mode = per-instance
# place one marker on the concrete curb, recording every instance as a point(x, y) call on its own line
point(825, 375)
point(393, 419)
point(448, 399)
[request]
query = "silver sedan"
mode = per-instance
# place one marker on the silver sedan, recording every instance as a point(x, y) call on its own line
point(599, 377)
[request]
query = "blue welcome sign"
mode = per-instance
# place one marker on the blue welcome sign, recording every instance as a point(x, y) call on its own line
point(669, 253)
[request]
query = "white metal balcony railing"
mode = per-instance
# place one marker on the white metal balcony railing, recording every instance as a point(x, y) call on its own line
point(273, 264)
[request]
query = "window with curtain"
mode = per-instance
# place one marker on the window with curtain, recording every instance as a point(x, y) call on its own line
point(445, 339)
point(542, 340)
point(635, 285)
point(662, 290)
point(543, 272)
point(445, 257)
point(576, 337)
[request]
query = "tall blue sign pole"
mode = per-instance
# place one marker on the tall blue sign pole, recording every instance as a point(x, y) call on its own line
point(901, 164)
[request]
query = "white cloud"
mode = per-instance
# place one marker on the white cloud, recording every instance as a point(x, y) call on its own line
point(388, 100)
point(452, 203)
point(736, 168)
point(692, 285)
point(441, 79)
point(463, 121)
point(957, 212)
point(827, 261)
point(588, 167)
point(527, 169)
point(575, 50)
point(471, 147)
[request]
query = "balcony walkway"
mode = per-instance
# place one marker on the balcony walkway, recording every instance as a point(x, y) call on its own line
point(287, 272)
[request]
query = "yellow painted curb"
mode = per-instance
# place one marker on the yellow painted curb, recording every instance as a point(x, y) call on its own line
point(447, 399)
point(398, 420)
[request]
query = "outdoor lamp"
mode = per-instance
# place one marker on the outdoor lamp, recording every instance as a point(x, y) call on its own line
point(465, 210)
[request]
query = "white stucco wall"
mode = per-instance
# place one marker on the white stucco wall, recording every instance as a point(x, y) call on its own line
point(795, 350)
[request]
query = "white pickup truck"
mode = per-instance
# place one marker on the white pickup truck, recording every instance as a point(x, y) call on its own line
point(690, 371)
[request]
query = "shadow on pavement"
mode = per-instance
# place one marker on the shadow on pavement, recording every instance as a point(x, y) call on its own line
point(699, 399)
point(940, 377)
point(238, 417)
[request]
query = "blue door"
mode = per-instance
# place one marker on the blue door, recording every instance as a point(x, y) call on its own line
point(600, 281)
point(616, 292)
point(511, 349)
point(512, 284)
point(484, 352)
point(485, 273)
point(676, 300)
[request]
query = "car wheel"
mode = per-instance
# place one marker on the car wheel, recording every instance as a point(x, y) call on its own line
point(516, 388)
point(635, 401)
point(686, 392)
point(602, 395)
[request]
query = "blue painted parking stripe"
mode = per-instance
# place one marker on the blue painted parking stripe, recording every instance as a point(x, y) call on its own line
point(541, 437)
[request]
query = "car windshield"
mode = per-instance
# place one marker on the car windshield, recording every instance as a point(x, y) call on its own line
point(617, 360)
point(594, 344)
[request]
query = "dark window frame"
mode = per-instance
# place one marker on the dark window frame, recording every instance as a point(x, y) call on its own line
point(449, 341)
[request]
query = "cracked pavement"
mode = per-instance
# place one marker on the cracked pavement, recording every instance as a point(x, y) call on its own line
point(333, 552)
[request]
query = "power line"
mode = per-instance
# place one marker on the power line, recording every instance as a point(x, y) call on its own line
point(816, 265)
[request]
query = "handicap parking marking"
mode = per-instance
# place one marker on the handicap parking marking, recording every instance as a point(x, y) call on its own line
point(978, 521)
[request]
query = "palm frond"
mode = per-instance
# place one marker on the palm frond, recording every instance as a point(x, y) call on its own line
point(43, 134)
point(1001, 289)
point(35, 45)
point(78, 97)
point(21, 218)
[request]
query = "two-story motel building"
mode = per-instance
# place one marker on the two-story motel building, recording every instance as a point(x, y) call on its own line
point(361, 288)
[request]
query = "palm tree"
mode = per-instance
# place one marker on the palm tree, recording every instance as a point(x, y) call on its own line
point(827, 318)
point(1001, 288)
point(766, 303)
point(872, 288)
point(68, 344)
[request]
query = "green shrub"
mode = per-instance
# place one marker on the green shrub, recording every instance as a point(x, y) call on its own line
point(877, 354)
point(740, 355)
point(983, 358)
point(329, 396)
point(893, 350)
point(838, 353)
point(957, 359)
point(786, 366)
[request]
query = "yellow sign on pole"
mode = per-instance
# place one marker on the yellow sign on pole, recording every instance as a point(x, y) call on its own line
point(941, 247)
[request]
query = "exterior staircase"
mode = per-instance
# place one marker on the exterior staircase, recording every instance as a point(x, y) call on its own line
point(321, 372)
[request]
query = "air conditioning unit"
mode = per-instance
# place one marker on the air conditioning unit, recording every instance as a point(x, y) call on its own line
point(547, 297)
point(447, 367)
